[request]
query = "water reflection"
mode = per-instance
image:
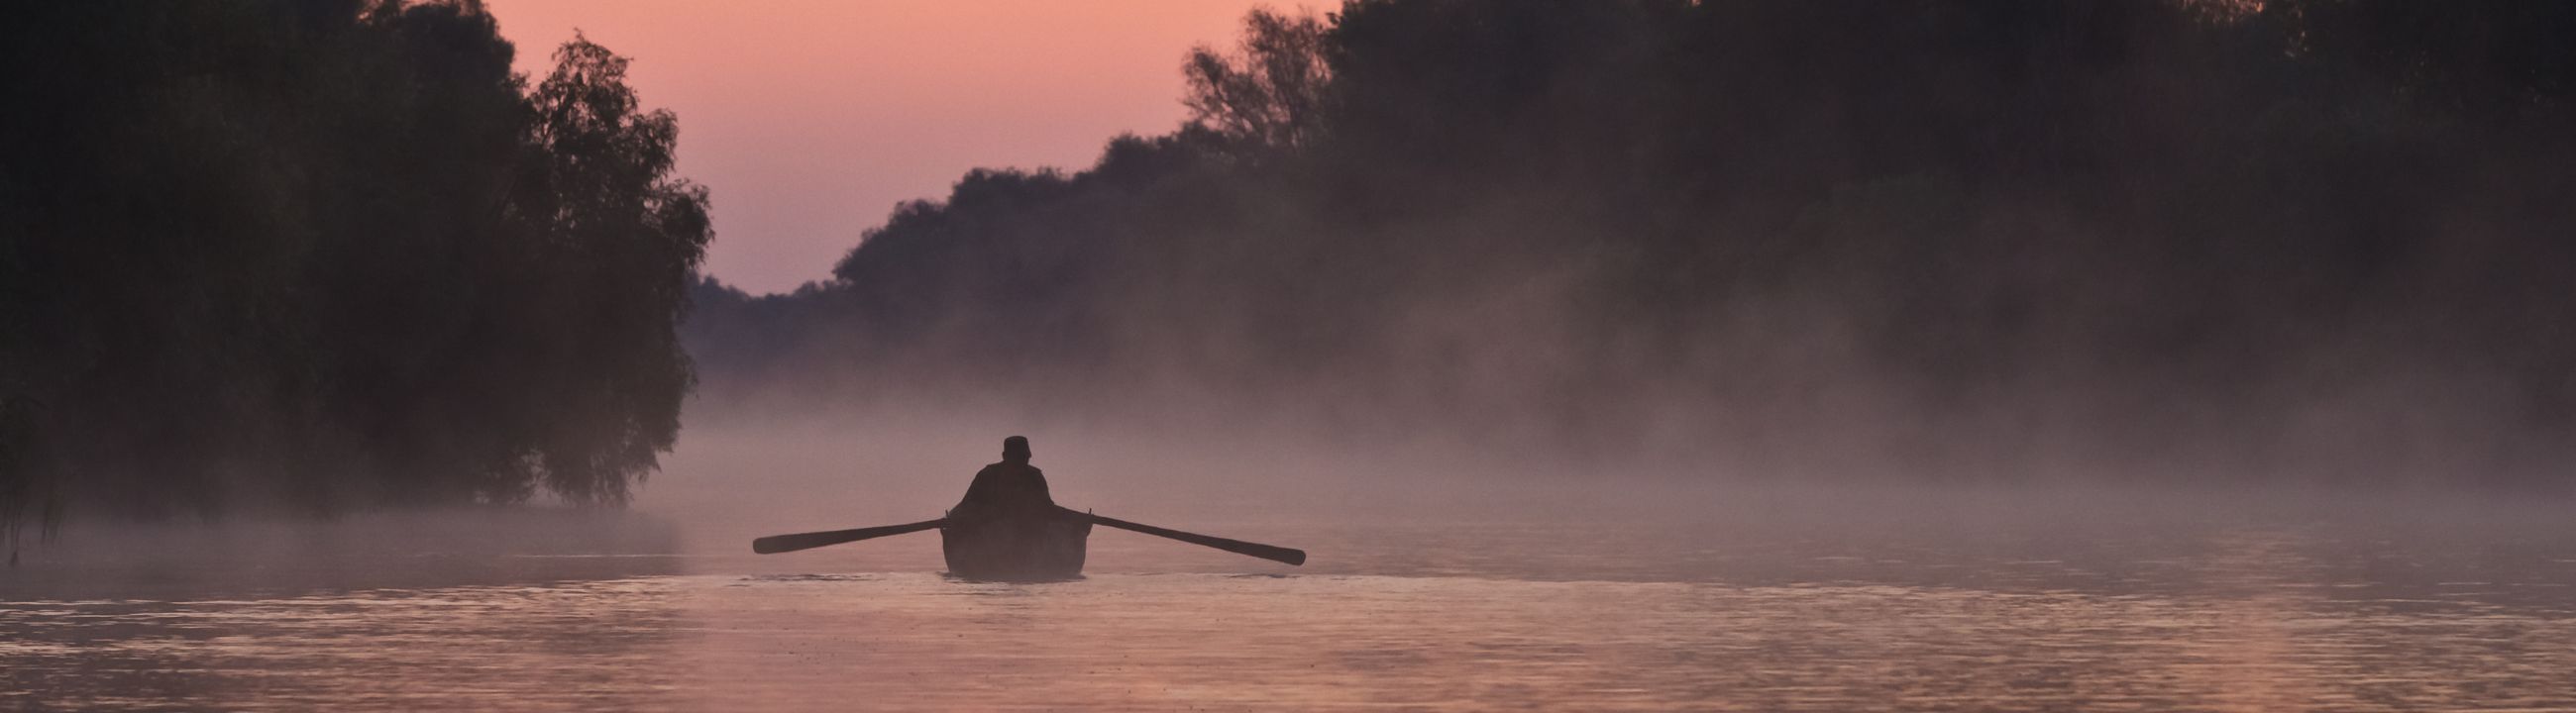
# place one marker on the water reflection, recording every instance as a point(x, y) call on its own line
point(562, 645)
point(1627, 617)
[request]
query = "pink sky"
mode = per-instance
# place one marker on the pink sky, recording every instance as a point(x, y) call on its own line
point(810, 119)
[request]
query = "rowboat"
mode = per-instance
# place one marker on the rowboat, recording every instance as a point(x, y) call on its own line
point(1029, 547)
point(1036, 547)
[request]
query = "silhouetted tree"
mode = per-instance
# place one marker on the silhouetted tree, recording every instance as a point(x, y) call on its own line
point(1270, 91)
point(327, 254)
point(624, 240)
point(2153, 231)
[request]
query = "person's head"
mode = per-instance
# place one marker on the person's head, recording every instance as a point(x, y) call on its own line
point(1015, 449)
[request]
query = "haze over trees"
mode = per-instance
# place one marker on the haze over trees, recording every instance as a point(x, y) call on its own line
point(324, 254)
point(2299, 240)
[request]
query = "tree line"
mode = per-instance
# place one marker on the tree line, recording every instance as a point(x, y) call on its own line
point(313, 255)
point(2305, 239)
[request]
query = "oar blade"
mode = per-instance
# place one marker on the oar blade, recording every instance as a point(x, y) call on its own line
point(775, 544)
point(1274, 553)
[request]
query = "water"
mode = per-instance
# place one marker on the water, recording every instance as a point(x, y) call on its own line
point(2150, 612)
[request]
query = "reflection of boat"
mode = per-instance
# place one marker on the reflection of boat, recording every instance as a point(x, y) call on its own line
point(1036, 547)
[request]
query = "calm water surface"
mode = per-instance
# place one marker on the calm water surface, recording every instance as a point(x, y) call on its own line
point(1461, 616)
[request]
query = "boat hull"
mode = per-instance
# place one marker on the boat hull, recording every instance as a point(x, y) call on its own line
point(1026, 549)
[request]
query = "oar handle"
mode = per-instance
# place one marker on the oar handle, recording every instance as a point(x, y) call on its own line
point(1252, 549)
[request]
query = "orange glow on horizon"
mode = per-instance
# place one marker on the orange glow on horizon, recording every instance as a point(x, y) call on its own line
point(809, 120)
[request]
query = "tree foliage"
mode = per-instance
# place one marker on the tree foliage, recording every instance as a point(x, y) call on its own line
point(324, 254)
point(2324, 235)
point(1270, 91)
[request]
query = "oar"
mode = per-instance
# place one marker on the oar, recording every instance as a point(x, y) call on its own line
point(775, 544)
point(1253, 549)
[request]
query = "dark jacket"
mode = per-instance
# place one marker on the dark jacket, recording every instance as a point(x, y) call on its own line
point(1005, 489)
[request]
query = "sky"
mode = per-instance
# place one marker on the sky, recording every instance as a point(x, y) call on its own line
point(810, 119)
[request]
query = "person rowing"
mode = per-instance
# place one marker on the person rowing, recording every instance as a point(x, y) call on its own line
point(1008, 527)
point(1011, 488)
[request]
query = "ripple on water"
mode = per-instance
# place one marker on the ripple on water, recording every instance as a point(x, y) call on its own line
point(2246, 621)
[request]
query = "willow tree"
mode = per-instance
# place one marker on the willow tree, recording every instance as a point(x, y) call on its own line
point(619, 239)
point(321, 256)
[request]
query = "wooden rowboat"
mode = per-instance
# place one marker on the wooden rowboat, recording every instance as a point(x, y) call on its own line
point(1034, 548)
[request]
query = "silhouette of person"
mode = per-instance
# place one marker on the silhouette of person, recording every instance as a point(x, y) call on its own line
point(1011, 488)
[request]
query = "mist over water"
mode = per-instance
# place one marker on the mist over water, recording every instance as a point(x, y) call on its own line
point(1599, 355)
point(1441, 583)
point(1880, 597)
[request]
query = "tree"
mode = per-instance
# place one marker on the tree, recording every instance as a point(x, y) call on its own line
point(2143, 227)
point(316, 256)
point(622, 239)
point(1270, 91)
